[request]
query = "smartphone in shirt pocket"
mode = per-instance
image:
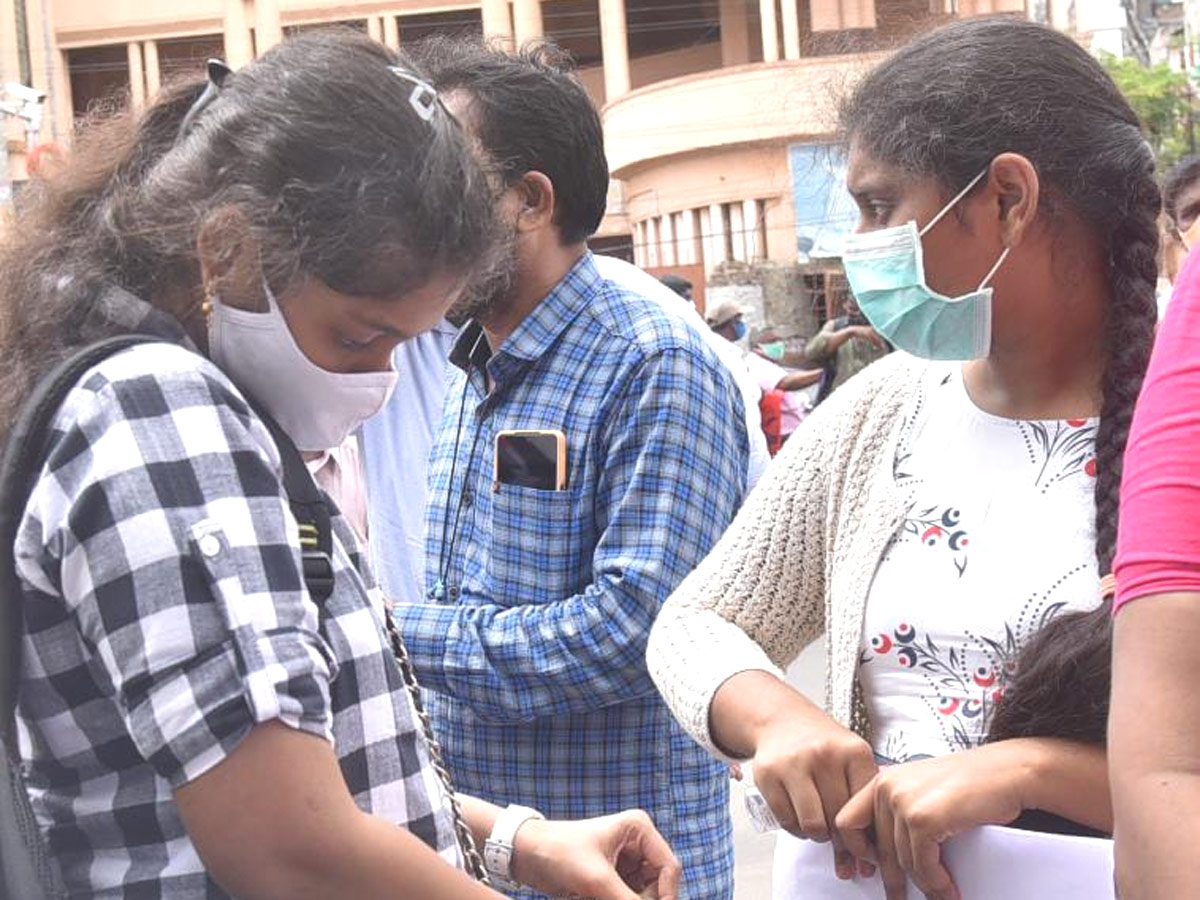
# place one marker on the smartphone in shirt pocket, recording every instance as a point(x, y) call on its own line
point(531, 458)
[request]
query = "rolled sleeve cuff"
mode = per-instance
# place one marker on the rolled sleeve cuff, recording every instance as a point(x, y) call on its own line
point(190, 718)
point(1146, 578)
point(693, 653)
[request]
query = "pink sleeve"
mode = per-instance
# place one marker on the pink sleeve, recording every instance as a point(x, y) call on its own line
point(1158, 549)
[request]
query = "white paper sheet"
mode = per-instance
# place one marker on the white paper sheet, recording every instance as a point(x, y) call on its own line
point(988, 863)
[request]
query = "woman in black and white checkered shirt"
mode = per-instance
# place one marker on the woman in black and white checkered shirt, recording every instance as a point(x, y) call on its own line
point(192, 722)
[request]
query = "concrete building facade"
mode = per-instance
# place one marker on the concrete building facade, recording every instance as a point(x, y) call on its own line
point(718, 113)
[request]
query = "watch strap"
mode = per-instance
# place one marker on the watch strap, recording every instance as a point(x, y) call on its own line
point(498, 849)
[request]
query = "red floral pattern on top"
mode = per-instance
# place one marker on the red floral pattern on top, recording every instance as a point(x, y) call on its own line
point(956, 634)
point(1060, 449)
point(939, 527)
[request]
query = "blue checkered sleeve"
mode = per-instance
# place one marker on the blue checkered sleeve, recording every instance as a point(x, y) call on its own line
point(670, 483)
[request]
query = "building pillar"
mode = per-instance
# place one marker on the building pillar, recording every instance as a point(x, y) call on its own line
point(238, 48)
point(268, 30)
point(153, 75)
point(45, 63)
point(614, 45)
point(685, 238)
point(497, 19)
point(791, 29)
point(714, 253)
point(391, 31)
point(137, 75)
point(653, 248)
point(735, 33)
point(666, 241)
point(10, 70)
point(527, 20)
point(770, 30)
point(750, 223)
point(375, 28)
point(838, 15)
point(639, 244)
point(737, 232)
point(64, 104)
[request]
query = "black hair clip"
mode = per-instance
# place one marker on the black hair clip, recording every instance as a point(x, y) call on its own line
point(423, 99)
point(217, 73)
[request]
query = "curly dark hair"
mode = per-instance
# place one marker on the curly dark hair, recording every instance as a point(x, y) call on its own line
point(944, 107)
point(318, 148)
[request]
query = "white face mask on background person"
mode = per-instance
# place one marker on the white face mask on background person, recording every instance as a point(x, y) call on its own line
point(318, 409)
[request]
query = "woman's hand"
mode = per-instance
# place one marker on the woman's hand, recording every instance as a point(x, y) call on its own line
point(806, 765)
point(808, 769)
point(619, 857)
point(916, 806)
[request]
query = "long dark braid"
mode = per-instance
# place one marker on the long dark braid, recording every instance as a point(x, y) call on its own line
point(944, 107)
point(1063, 675)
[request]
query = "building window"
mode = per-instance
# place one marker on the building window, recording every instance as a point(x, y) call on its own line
point(451, 23)
point(354, 24)
point(574, 25)
point(99, 76)
point(187, 56)
point(656, 26)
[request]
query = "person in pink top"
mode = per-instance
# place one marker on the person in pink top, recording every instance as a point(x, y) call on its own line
point(1154, 724)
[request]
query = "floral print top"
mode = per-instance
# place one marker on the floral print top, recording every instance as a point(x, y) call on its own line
point(998, 539)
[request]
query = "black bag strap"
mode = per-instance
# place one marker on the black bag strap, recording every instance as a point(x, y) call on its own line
point(312, 510)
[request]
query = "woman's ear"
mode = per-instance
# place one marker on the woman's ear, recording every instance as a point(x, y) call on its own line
point(1015, 182)
point(230, 264)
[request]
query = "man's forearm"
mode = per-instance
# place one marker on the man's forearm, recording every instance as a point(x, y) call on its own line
point(824, 345)
point(798, 381)
point(495, 659)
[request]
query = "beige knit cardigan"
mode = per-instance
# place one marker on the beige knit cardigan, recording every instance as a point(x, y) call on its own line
point(799, 558)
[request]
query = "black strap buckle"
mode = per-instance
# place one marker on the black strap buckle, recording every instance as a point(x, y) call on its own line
point(318, 574)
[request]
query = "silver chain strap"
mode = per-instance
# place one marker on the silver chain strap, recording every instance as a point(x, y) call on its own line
point(466, 840)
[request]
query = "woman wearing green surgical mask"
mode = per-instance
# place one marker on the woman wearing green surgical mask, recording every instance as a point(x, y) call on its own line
point(947, 518)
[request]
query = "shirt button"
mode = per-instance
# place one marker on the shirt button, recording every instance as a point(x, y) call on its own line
point(210, 545)
point(467, 498)
point(453, 592)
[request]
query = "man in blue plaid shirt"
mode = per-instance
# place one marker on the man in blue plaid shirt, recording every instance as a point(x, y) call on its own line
point(532, 641)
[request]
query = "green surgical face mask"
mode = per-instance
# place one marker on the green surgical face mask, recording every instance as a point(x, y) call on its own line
point(886, 271)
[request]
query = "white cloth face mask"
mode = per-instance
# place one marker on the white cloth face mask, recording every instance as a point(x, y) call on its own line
point(317, 408)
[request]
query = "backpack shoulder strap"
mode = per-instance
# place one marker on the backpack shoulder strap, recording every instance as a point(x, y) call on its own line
point(24, 454)
point(311, 509)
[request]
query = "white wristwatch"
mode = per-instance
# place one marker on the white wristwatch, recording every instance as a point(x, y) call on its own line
point(498, 850)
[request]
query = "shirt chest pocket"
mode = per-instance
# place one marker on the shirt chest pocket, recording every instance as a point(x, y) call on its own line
point(541, 545)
